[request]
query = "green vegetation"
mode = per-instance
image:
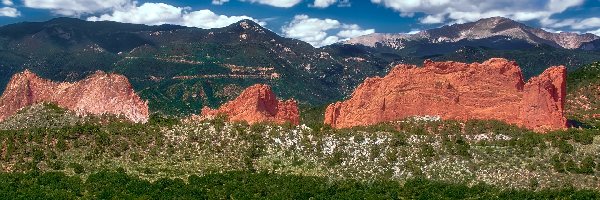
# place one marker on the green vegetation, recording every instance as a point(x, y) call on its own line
point(243, 185)
point(583, 101)
point(589, 74)
point(40, 116)
point(454, 152)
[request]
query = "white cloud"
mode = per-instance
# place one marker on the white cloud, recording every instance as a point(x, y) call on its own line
point(460, 11)
point(147, 13)
point(595, 32)
point(208, 19)
point(7, 2)
point(353, 30)
point(9, 12)
point(219, 2)
point(324, 3)
point(77, 7)
point(276, 3)
point(413, 31)
point(578, 24)
point(160, 13)
point(551, 30)
point(319, 32)
point(432, 19)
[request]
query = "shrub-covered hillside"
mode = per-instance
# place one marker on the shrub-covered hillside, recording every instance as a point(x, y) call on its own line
point(468, 153)
point(583, 96)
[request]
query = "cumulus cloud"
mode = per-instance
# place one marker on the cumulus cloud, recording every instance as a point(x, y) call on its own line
point(160, 13)
point(7, 2)
point(208, 19)
point(219, 2)
point(585, 25)
point(324, 3)
point(460, 11)
point(432, 19)
point(276, 3)
point(9, 12)
point(327, 3)
point(147, 13)
point(77, 7)
point(577, 24)
point(321, 32)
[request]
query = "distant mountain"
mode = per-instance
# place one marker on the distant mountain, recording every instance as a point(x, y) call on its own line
point(591, 46)
point(532, 48)
point(495, 27)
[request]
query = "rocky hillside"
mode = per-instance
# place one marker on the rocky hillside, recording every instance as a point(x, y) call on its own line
point(449, 90)
point(98, 94)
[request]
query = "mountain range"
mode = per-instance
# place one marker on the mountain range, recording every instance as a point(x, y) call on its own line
point(502, 29)
point(182, 69)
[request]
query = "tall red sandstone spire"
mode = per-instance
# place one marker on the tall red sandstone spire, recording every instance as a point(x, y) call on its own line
point(491, 90)
point(258, 103)
point(100, 93)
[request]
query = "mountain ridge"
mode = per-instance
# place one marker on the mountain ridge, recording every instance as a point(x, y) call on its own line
point(481, 29)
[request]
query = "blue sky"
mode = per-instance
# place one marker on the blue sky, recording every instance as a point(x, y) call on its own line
point(319, 22)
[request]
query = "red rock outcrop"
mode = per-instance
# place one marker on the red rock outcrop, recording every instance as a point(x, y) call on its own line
point(100, 93)
point(256, 104)
point(491, 90)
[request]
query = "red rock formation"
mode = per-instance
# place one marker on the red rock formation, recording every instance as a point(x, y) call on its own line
point(258, 103)
point(491, 90)
point(100, 93)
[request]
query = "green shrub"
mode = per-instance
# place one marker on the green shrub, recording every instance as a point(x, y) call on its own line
point(77, 168)
point(557, 164)
point(587, 166)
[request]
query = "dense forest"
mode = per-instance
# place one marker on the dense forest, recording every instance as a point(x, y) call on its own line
point(245, 185)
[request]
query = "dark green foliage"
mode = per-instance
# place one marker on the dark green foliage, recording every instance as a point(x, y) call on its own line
point(77, 168)
point(427, 150)
point(563, 146)
point(461, 147)
point(589, 74)
point(312, 116)
point(243, 185)
point(587, 166)
point(565, 163)
point(162, 120)
point(582, 96)
point(557, 164)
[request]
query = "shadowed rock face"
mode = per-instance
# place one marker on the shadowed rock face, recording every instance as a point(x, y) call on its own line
point(491, 90)
point(256, 104)
point(100, 93)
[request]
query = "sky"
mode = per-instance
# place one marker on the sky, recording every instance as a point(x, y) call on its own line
point(318, 22)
